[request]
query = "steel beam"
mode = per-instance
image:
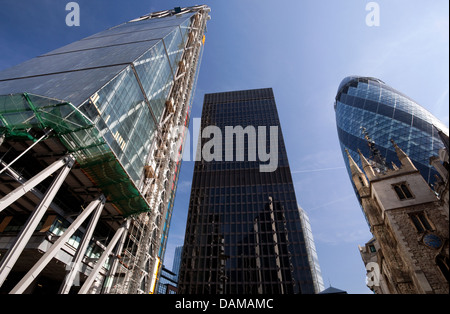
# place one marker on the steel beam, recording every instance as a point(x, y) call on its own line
point(79, 255)
point(101, 261)
point(30, 226)
point(51, 252)
point(18, 177)
point(30, 184)
point(30, 147)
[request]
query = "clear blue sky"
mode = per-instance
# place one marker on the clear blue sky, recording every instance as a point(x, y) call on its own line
point(300, 48)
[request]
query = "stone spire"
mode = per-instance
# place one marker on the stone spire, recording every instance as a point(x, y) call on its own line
point(353, 166)
point(359, 179)
point(404, 159)
point(367, 167)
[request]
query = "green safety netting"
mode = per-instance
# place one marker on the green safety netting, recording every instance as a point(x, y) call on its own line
point(20, 112)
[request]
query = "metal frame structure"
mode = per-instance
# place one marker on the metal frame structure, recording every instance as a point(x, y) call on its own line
point(43, 261)
point(19, 244)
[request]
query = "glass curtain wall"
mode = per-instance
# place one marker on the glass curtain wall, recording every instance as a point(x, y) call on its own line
point(244, 233)
point(129, 108)
point(367, 107)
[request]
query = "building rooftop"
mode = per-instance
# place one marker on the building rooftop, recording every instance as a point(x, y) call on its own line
point(333, 290)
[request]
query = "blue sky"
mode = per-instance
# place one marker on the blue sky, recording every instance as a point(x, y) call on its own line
point(300, 48)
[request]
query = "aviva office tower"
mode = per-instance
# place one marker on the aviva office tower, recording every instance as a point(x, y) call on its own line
point(94, 130)
point(245, 233)
point(370, 113)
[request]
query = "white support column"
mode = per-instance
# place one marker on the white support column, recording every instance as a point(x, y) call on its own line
point(88, 283)
point(30, 184)
point(110, 277)
point(17, 176)
point(79, 255)
point(22, 239)
point(51, 252)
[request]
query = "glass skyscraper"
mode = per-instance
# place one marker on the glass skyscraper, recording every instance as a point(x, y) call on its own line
point(245, 233)
point(370, 113)
point(111, 102)
point(177, 260)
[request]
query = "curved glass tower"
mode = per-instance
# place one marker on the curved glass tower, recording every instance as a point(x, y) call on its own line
point(369, 114)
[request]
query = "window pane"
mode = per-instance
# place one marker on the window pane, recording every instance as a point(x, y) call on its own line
point(399, 192)
point(406, 191)
point(425, 222)
point(417, 223)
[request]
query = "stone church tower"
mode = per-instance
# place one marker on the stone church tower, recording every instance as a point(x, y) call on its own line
point(409, 253)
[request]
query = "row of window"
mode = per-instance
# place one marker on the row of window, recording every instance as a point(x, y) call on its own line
point(237, 199)
point(266, 282)
point(380, 93)
point(240, 177)
point(239, 96)
point(246, 213)
point(244, 189)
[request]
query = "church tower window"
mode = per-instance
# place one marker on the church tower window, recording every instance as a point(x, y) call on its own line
point(402, 191)
point(421, 222)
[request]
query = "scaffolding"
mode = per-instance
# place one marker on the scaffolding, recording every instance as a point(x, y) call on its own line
point(22, 112)
point(161, 170)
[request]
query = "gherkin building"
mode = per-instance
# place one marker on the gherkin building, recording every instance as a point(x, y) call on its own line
point(369, 114)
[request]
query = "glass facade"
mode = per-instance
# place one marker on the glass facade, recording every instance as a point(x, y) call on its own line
point(118, 79)
point(367, 107)
point(167, 282)
point(177, 261)
point(244, 233)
